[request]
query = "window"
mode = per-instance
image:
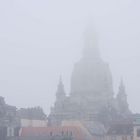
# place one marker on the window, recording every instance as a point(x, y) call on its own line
point(138, 132)
point(62, 133)
point(71, 133)
point(113, 138)
point(124, 137)
point(51, 134)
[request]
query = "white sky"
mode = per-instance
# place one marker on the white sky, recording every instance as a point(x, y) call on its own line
point(41, 39)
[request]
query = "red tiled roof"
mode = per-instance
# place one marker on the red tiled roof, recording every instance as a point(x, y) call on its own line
point(76, 132)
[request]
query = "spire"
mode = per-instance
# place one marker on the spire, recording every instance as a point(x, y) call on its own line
point(122, 88)
point(122, 98)
point(91, 49)
point(60, 94)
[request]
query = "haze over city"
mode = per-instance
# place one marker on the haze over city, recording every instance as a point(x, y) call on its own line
point(41, 40)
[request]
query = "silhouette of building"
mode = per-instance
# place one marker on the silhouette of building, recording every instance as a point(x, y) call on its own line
point(91, 91)
point(9, 122)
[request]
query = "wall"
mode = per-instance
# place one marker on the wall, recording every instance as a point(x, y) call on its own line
point(33, 123)
point(118, 137)
point(136, 137)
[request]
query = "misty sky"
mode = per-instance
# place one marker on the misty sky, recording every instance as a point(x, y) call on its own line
point(41, 39)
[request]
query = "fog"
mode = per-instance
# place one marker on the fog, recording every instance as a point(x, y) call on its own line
point(42, 39)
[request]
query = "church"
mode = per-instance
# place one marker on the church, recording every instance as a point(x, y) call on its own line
point(91, 99)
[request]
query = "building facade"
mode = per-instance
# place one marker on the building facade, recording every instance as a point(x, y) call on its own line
point(9, 121)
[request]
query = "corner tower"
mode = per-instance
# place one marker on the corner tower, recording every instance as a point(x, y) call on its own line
point(60, 93)
point(122, 99)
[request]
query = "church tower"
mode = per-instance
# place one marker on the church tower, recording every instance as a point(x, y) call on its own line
point(122, 99)
point(91, 77)
point(60, 93)
point(56, 114)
